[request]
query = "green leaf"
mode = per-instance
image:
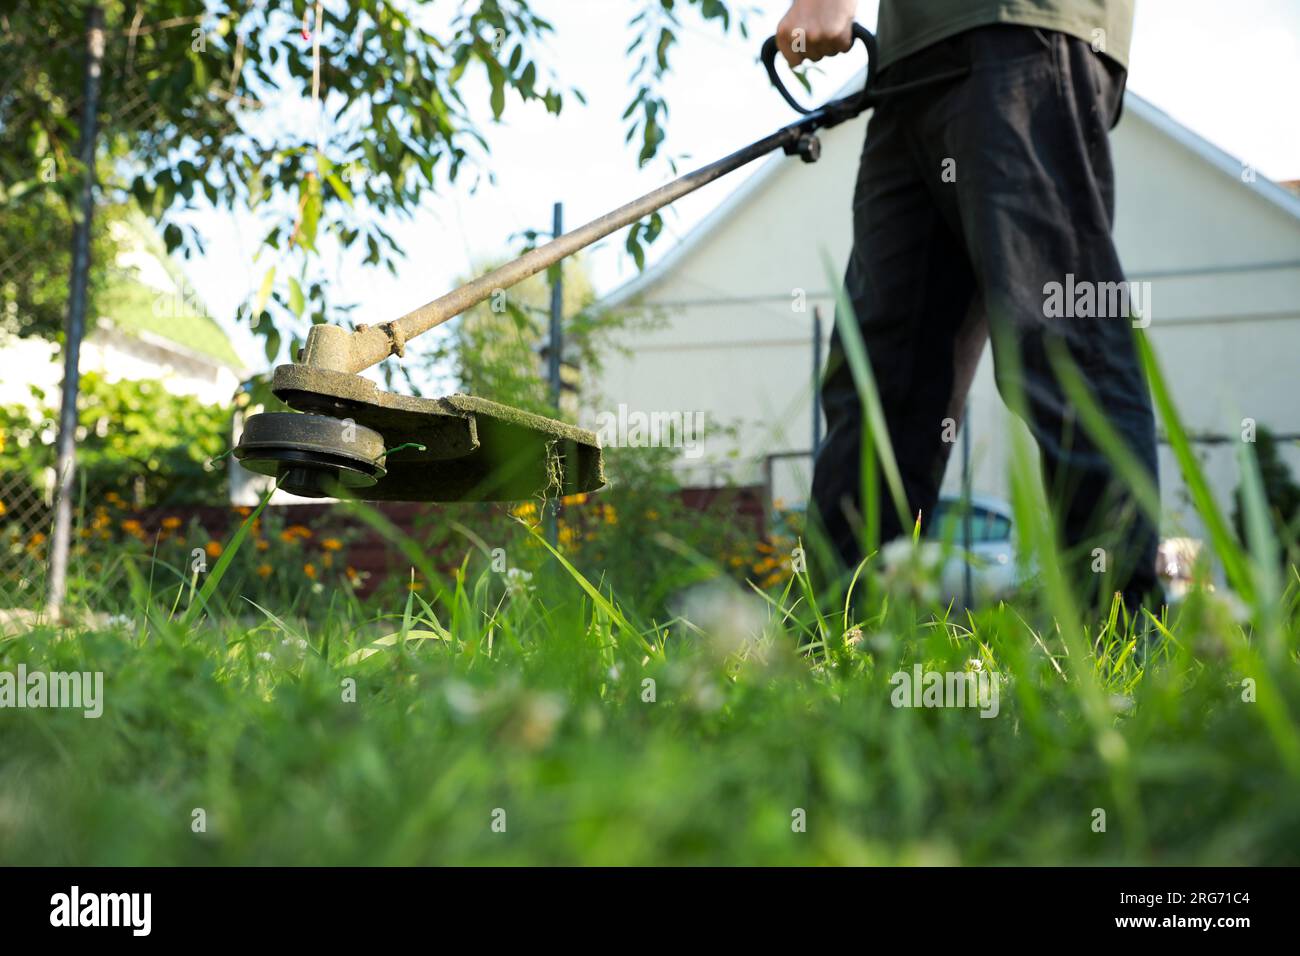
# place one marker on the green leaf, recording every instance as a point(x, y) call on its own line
point(666, 40)
point(272, 344)
point(340, 187)
point(310, 219)
point(296, 300)
point(633, 246)
point(498, 95)
point(392, 640)
point(264, 291)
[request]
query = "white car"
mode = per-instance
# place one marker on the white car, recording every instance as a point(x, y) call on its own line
point(994, 570)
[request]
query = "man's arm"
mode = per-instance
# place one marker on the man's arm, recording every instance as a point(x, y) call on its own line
point(817, 28)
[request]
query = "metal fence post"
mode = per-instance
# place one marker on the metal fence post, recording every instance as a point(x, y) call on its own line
point(554, 358)
point(65, 462)
point(816, 379)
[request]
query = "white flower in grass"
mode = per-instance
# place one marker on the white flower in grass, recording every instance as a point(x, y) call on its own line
point(534, 720)
point(911, 572)
point(463, 699)
point(705, 694)
point(730, 619)
point(518, 581)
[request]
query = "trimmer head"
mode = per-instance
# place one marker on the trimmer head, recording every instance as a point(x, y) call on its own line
point(311, 454)
point(474, 450)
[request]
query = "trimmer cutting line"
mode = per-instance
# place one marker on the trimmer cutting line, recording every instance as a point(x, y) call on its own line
point(474, 450)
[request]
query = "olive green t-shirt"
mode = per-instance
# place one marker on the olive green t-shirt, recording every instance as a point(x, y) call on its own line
point(906, 26)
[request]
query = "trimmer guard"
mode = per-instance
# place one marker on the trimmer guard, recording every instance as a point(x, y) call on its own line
point(476, 450)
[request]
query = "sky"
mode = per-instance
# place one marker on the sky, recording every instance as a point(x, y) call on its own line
point(1230, 71)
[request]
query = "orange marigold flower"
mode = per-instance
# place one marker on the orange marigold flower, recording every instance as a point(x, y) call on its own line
point(131, 526)
point(263, 544)
point(171, 522)
point(332, 544)
point(301, 531)
point(309, 569)
point(214, 549)
point(264, 570)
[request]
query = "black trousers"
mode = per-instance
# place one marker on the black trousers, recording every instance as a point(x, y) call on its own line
point(974, 195)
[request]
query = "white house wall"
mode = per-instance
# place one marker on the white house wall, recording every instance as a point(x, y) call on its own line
point(738, 343)
point(117, 357)
point(1216, 249)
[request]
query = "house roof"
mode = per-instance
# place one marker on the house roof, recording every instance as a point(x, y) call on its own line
point(1221, 160)
point(130, 306)
point(170, 318)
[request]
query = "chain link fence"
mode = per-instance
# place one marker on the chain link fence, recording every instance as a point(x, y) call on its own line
point(24, 534)
point(31, 356)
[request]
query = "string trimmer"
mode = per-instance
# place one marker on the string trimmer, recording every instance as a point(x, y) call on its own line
point(347, 436)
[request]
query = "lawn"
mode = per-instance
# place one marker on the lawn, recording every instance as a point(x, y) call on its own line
point(491, 717)
point(536, 724)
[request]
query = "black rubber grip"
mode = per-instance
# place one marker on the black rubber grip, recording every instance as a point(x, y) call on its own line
point(860, 32)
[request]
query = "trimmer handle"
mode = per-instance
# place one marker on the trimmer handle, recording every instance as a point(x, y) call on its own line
point(852, 105)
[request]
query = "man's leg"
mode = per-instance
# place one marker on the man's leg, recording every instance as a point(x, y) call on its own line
point(1034, 192)
point(910, 287)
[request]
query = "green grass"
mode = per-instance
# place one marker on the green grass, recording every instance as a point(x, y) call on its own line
point(607, 737)
point(533, 703)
